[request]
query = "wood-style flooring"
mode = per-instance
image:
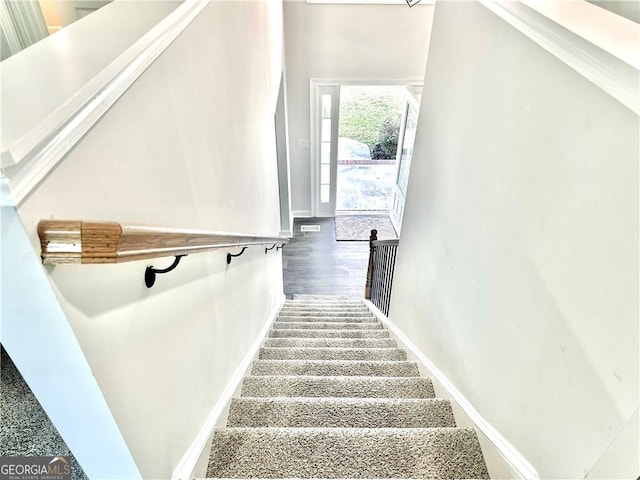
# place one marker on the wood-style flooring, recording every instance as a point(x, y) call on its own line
point(315, 263)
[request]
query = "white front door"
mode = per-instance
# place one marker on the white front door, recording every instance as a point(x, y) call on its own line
point(324, 165)
point(405, 152)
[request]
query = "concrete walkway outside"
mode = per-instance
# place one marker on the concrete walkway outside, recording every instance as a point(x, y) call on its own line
point(365, 187)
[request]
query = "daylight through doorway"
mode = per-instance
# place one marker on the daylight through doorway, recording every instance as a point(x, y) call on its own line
point(369, 125)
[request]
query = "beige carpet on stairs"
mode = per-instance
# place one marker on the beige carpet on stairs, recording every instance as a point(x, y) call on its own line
point(332, 396)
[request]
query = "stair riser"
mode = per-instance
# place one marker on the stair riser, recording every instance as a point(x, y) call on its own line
point(327, 319)
point(325, 313)
point(347, 453)
point(335, 368)
point(349, 300)
point(331, 343)
point(353, 305)
point(345, 304)
point(337, 413)
point(308, 298)
point(328, 325)
point(269, 353)
point(308, 333)
point(320, 308)
point(356, 387)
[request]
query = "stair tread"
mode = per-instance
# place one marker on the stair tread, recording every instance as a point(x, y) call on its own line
point(327, 333)
point(333, 319)
point(337, 386)
point(386, 368)
point(332, 342)
point(322, 308)
point(325, 304)
point(340, 412)
point(311, 297)
point(325, 312)
point(329, 325)
point(331, 353)
point(347, 452)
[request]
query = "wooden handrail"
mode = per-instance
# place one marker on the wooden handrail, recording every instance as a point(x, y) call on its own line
point(75, 241)
point(381, 243)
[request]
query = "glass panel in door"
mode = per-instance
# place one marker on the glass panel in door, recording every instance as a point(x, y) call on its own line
point(326, 149)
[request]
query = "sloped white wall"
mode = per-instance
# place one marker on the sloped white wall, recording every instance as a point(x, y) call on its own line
point(348, 42)
point(517, 269)
point(191, 144)
point(53, 70)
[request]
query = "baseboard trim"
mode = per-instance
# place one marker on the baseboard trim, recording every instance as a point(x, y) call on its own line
point(186, 465)
point(514, 459)
point(301, 213)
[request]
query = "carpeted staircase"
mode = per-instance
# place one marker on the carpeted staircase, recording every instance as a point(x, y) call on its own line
point(332, 396)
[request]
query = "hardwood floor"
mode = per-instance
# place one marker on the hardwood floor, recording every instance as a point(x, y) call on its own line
point(315, 263)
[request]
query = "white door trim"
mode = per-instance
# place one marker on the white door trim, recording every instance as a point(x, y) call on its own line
point(318, 208)
point(411, 101)
point(314, 131)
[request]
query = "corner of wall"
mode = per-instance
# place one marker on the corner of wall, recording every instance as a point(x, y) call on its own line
point(38, 338)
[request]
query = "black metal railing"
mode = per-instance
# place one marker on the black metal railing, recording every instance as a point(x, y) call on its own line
point(382, 262)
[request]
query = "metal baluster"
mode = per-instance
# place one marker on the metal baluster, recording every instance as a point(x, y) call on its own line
point(392, 267)
point(381, 270)
point(387, 283)
point(376, 276)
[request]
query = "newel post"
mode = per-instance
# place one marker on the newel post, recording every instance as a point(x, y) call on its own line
point(367, 288)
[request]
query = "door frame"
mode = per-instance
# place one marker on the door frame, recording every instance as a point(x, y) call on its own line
point(398, 196)
point(315, 85)
point(318, 89)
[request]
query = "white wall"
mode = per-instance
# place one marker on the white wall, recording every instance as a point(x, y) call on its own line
point(53, 70)
point(517, 270)
point(350, 42)
point(191, 144)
